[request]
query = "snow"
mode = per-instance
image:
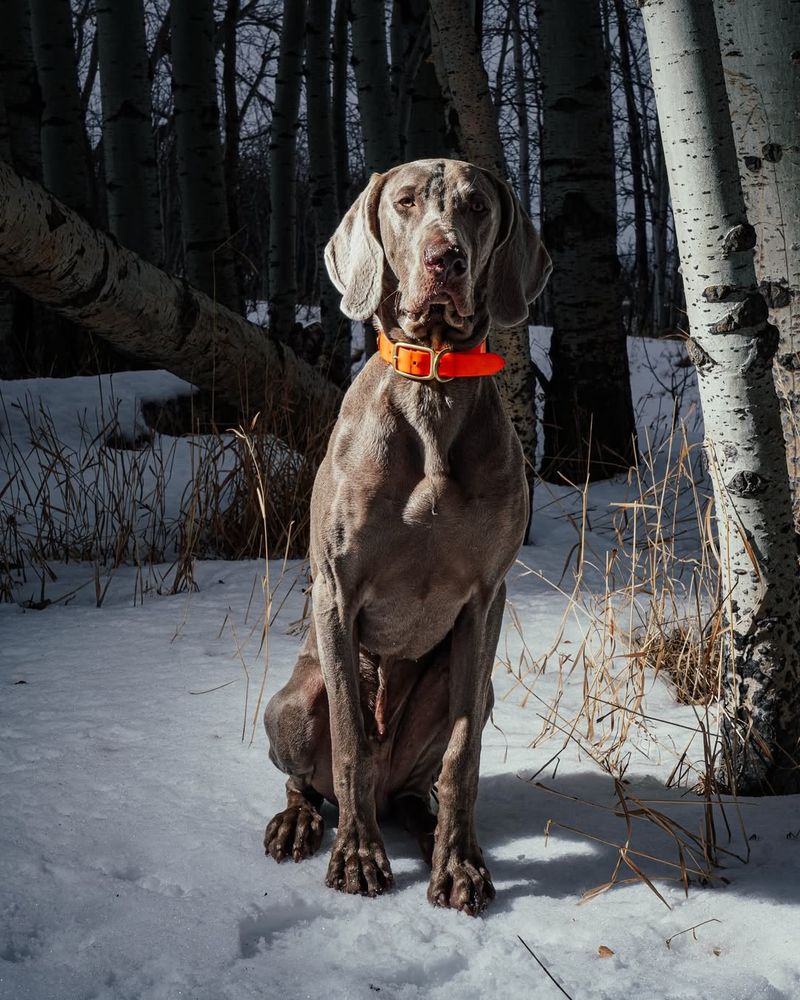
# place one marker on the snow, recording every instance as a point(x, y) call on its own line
point(132, 809)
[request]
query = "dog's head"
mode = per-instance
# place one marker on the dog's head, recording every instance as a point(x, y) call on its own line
point(437, 247)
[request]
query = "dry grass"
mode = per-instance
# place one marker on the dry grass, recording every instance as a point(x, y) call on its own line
point(110, 502)
point(648, 602)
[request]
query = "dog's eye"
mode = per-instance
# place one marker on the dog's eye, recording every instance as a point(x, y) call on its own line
point(407, 201)
point(478, 205)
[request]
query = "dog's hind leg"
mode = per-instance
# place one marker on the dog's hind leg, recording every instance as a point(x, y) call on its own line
point(296, 720)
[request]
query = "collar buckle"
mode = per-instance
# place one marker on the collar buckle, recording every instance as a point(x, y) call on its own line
point(435, 356)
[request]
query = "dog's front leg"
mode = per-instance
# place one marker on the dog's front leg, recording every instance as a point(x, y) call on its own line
point(459, 878)
point(358, 861)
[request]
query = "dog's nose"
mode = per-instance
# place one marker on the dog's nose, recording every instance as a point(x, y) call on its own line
point(445, 260)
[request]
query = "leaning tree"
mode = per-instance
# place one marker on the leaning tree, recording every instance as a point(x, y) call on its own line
point(732, 345)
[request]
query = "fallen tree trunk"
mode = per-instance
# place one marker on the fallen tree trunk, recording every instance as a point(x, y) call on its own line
point(52, 254)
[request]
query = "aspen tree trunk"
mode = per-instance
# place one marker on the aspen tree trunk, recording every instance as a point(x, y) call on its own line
point(471, 116)
point(20, 84)
point(208, 258)
point(6, 293)
point(521, 109)
point(418, 97)
point(63, 134)
point(282, 171)
point(335, 360)
point(232, 123)
point(52, 254)
point(641, 276)
point(589, 423)
point(732, 347)
point(339, 55)
point(134, 210)
point(378, 125)
point(760, 44)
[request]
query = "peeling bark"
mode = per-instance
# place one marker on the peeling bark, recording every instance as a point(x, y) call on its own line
point(744, 441)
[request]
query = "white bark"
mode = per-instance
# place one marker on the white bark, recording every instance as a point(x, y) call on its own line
point(732, 347)
point(53, 255)
point(760, 44)
point(134, 212)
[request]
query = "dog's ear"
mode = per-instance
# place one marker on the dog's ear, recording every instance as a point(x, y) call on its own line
point(354, 254)
point(520, 265)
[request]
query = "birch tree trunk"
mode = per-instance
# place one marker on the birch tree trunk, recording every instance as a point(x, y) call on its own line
point(335, 358)
point(589, 423)
point(282, 171)
point(760, 43)
point(208, 258)
point(52, 254)
point(472, 118)
point(63, 134)
point(20, 84)
point(732, 347)
point(375, 105)
point(134, 210)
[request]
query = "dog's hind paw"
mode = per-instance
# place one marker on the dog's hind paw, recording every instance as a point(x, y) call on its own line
point(461, 885)
point(295, 833)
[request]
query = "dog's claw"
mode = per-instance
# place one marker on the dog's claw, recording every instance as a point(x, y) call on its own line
point(296, 832)
point(462, 886)
point(359, 868)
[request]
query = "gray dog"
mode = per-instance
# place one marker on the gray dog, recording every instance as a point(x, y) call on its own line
point(418, 511)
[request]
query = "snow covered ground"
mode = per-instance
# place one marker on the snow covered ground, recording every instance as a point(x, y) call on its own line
point(132, 811)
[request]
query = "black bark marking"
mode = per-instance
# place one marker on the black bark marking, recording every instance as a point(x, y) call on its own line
point(55, 217)
point(789, 362)
point(738, 239)
point(700, 358)
point(751, 311)
point(753, 163)
point(762, 349)
point(772, 152)
point(747, 484)
point(89, 294)
point(188, 316)
point(720, 293)
point(777, 294)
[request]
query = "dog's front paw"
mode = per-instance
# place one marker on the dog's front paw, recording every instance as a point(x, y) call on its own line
point(296, 832)
point(461, 883)
point(359, 864)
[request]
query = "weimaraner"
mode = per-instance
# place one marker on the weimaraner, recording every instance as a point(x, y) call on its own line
point(418, 511)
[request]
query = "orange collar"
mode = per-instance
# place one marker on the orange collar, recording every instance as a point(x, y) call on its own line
point(424, 364)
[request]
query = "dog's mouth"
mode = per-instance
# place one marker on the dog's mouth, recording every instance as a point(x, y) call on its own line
point(438, 310)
